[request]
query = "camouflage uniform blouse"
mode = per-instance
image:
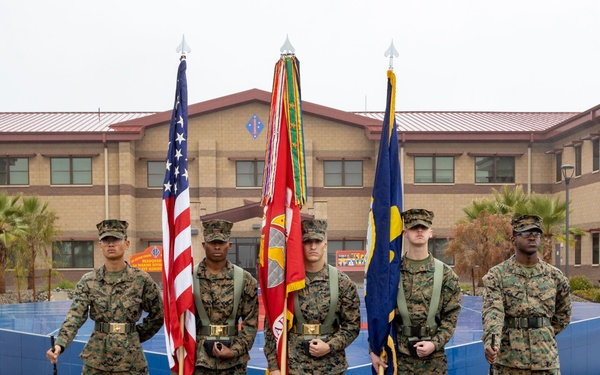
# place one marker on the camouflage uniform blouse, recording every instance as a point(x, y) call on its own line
point(118, 301)
point(314, 304)
point(217, 298)
point(418, 290)
point(511, 291)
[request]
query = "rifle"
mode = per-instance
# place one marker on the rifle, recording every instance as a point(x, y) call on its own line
point(54, 371)
point(493, 346)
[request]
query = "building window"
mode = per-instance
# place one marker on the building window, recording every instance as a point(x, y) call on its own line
point(249, 173)
point(495, 169)
point(596, 154)
point(156, 174)
point(14, 171)
point(578, 250)
point(74, 254)
point(558, 167)
point(344, 244)
point(343, 173)
point(434, 169)
point(71, 171)
point(595, 248)
point(577, 160)
point(437, 247)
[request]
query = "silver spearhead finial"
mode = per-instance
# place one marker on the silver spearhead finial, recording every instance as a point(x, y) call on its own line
point(287, 48)
point(391, 53)
point(183, 48)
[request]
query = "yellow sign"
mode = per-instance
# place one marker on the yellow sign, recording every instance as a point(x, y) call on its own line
point(150, 260)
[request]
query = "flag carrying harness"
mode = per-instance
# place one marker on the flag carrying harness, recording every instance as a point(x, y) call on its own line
point(319, 330)
point(422, 332)
point(216, 332)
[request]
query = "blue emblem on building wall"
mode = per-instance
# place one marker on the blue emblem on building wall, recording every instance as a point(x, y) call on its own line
point(254, 126)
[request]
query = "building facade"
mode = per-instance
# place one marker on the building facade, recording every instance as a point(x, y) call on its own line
point(93, 166)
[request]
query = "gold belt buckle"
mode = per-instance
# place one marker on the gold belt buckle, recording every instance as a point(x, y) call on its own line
point(116, 328)
point(218, 330)
point(311, 329)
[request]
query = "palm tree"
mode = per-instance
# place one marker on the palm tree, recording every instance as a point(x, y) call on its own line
point(40, 238)
point(11, 227)
point(503, 202)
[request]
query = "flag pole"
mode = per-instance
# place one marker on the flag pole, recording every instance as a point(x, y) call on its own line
point(284, 335)
point(181, 353)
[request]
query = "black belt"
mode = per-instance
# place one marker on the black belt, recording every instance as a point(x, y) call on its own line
point(526, 322)
point(115, 327)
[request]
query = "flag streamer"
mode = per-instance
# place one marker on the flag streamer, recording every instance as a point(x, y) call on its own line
point(180, 321)
point(281, 261)
point(384, 239)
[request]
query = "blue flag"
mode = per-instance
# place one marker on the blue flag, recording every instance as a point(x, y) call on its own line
point(384, 239)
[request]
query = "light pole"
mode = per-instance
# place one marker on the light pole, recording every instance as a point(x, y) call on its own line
point(567, 172)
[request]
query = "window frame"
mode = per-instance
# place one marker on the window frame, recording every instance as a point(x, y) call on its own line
point(438, 253)
point(558, 160)
point(256, 175)
point(577, 250)
point(495, 159)
point(596, 154)
point(434, 170)
point(8, 172)
point(595, 248)
point(577, 151)
point(155, 164)
point(70, 170)
point(73, 255)
point(343, 174)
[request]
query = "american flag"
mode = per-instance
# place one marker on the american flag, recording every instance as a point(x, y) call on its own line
point(177, 239)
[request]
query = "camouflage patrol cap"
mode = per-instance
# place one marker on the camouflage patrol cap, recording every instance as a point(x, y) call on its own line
point(313, 229)
point(523, 222)
point(112, 228)
point(417, 216)
point(217, 230)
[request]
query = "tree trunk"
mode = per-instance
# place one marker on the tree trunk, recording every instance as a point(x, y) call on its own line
point(473, 281)
point(32, 274)
point(547, 249)
point(2, 268)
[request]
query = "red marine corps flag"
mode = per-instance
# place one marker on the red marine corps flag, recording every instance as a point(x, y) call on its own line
point(281, 260)
point(180, 321)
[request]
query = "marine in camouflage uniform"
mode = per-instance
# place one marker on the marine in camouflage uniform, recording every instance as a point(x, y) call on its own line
point(526, 304)
point(314, 301)
point(217, 293)
point(416, 275)
point(113, 296)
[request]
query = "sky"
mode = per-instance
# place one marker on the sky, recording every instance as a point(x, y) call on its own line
point(454, 55)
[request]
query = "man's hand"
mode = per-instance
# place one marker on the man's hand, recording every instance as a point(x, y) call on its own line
point(424, 348)
point(319, 348)
point(222, 352)
point(491, 354)
point(53, 353)
point(377, 362)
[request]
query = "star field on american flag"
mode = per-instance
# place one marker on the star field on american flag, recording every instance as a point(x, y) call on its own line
point(174, 179)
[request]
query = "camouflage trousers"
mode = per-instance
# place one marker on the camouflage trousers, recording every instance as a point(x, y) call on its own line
point(503, 370)
point(408, 365)
point(235, 370)
point(94, 371)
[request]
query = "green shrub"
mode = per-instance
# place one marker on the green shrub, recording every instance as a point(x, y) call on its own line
point(65, 284)
point(592, 294)
point(580, 283)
